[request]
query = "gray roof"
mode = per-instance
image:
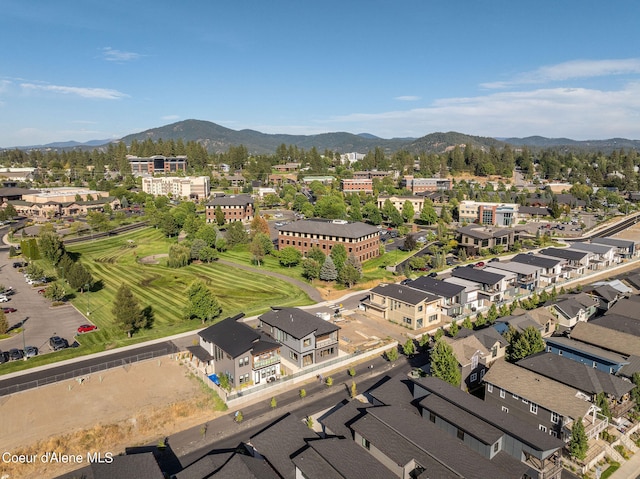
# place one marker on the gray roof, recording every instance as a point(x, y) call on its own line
point(476, 275)
point(518, 268)
point(233, 200)
point(618, 243)
point(592, 248)
point(489, 413)
point(246, 467)
point(278, 442)
point(536, 260)
point(337, 420)
point(436, 286)
point(404, 293)
point(632, 367)
point(140, 466)
point(606, 338)
point(333, 228)
point(569, 307)
point(565, 253)
point(545, 392)
point(233, 337)
point(341, 458)
point(619, 323)
point(204, 467)
point(483, 232)
point(625, 307)
point(296, 322)
point(575, 374)
point(533, 210)
point(404, 436)
point(588, 349)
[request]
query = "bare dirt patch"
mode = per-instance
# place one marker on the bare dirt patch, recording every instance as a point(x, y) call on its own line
point(104, 413)
point(153, 259)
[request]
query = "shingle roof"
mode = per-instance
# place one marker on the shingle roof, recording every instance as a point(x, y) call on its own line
point(404, 293)
point(620, 323)
point(565, 253)
point(575, 374)
point(140, 466)
point(512, 267)
point(205, 466)
point(592, 248)
point(482, 232)
point(606, 338)
point(536, 260)
point(436, 286)
point(625, 307)
point(296, 322)
point(328, 227)
point(538, 389)
point(619, 243)
point(476, 275)
point(246, 467)
point(234, 200)
point(282, 439)
point(404, 436)
point(344, 457)
point(595, 351)
point(233, 337)
point(337, 421)
point(491, 414)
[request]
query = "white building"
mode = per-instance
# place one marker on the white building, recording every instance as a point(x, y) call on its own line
point(187, 187)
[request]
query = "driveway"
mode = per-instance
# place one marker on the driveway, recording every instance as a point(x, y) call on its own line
point(41, 320)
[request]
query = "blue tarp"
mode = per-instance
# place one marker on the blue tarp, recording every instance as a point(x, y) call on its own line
point(214, 378)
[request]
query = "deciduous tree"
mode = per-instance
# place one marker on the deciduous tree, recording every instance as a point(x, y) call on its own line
point(201, 303)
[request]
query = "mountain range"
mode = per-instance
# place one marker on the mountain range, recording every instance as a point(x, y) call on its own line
point(218, 139)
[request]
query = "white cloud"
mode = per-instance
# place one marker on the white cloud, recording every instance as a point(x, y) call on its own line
point(571, 70)
point(113, 55)
point(577, 113)
point(407, 98)
point(100, 93)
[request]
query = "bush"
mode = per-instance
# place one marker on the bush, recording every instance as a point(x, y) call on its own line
point(391, 354)
point(302, 393)
point(329, 381)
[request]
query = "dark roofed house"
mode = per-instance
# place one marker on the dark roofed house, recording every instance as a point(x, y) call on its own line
point(454, 298)
point(359, 239)
point(140, 466)
point(584, 378)
point(305, 338)
point(495, 286)
point(577, 262)
point(402, 304)
point(573, 308)
point(552, 267)
point(620, 323)
point(625, 249)
point(231, 348)
point(475, 237)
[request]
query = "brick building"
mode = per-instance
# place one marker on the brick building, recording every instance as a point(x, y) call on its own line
point(157, 164)
point(359, 239)
point(352, 185)
point(234, 207)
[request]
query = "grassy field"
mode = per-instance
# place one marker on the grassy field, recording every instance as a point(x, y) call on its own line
point(114, 261)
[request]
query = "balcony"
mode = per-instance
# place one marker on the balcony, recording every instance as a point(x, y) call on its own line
point(325, 342)
point(548, 468)
point(263, 363)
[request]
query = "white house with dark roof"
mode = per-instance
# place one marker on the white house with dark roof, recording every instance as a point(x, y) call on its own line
point(625, 249)
point(603, 256)
point(552, 268)
point(455, 298)
point(577, 262)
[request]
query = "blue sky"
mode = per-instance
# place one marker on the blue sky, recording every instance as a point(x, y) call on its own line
point(87, 69)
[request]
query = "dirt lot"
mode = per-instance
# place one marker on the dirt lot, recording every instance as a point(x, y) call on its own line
point(131, 406)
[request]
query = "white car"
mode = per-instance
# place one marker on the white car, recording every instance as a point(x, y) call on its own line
point(3, 298)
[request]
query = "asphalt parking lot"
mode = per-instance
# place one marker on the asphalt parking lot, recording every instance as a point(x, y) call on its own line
point(41, 320)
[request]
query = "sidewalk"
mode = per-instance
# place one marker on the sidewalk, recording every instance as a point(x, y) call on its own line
point(629, 469)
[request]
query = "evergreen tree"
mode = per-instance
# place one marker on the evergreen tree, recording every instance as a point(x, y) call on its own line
point(4, 323)
point(127, 312)
point(219, 216)
point(578, 444)
point(79, 277)
point(409, 347)
point(51, 247)
point(480, 321)
point(349, 275)
point(311, 268)
point(467, 323)
point(328, 272)
point(444, 364)
point(603, 403)
point(453, 329)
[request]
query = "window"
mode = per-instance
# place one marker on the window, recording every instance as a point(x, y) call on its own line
point(433, 317)
point(496, 447)
point(542, 428)
point(502, 394)
point(366, 444)
point(525, 401)
point(432, 417)
point(515, 396)
point(407, 320)
point(460, 434)
point(473, 378)
point(420, 308)
point(505, 409)
point(489, 388)
point(533, 408)
point(307, 342)
point(474, 361)
point(293, 355)
point(555, 417)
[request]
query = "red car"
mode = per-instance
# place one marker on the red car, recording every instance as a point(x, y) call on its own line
point(85, 328)
point(480, 264)
point(9, 310)
point(42, 291)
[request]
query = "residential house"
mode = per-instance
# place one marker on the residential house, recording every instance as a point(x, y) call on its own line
point(234, 207)
point(540, 319)
point(527, 275)
point(455, 299)
point(625, 249)
point(141, 465)
point(542, 402)
point(475, 238)
point(402, 304)
point(577, 262)
point(603, 255)
point(470, 296)
point(606, 338)
point(620, 323)
point(493, 286)
point(475, 351)
point(236, 350)
point(590, 382)
point(359, 239)
point(605, 294)
point(629, 307)
point(592, 356)
point(573, 308)
point(552, 268)
point(305, 338)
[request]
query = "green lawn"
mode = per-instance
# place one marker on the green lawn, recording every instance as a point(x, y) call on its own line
point(113, 262)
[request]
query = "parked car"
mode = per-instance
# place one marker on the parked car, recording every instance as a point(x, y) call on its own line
point(8, 291)
point(85, 328)
point(9, 310)
point(4, 357)
point(433, 274)
point(56, 343)
point(480, 264)
point(493, 260)
point(3, 298)
point(30, 351)
point(16, 354)
point(19, 264)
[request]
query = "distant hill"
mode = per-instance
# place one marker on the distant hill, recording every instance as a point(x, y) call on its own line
point(216, 138)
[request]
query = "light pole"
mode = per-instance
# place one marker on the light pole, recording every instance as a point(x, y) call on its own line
point(86, 290)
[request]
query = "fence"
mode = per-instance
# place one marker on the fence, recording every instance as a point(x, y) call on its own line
point(83, 371)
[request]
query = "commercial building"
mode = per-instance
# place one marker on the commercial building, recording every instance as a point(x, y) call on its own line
point(424, 185)
point(234, 207)
point(496, 214)
point(352, 185)
point(188, 187)
point(157, 164)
